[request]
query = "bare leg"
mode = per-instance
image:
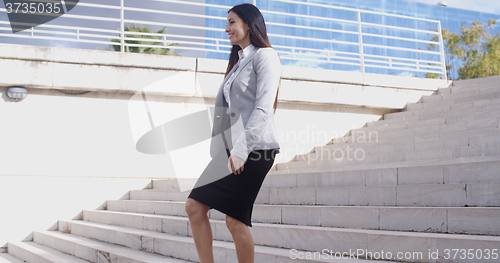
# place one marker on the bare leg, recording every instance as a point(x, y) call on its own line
point(243, 240)
point(200, 226)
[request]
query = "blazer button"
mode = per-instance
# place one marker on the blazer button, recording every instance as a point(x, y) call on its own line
point(233, 114)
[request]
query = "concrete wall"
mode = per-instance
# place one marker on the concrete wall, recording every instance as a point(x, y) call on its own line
point(63, 152)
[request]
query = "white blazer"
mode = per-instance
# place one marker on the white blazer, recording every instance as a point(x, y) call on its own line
point(249, 124)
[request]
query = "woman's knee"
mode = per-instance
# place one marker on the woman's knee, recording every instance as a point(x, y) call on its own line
point(234, 225)
point(194, 208)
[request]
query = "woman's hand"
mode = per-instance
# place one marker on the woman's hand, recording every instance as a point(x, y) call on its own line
point(235, 164)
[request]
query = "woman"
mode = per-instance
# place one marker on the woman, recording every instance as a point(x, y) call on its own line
point(245, 104)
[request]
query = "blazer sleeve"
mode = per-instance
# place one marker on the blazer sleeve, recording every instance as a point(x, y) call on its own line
point(267, 66)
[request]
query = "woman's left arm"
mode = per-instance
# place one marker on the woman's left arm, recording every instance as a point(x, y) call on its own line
point(267, 67)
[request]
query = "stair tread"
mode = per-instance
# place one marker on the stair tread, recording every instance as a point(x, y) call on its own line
point(48, 253)
point(112, 248)
point(417, 151)
point(294, 205)
point(6, 258)
point(399, 119)
point(334, 187)
point(287, 226)
point(415, 163)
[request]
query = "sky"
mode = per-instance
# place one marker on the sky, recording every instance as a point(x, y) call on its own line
point(486, 6)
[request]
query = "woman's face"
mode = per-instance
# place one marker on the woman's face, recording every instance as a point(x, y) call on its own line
point(237, 30)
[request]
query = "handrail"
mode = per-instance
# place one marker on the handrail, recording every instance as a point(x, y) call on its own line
point(213, 43)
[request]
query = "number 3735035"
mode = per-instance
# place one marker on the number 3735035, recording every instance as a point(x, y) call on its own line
point(471, 254)
point(33, 8)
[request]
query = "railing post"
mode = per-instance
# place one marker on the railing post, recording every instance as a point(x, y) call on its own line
point(361, 53)
point(441, 49)
point(122, 25)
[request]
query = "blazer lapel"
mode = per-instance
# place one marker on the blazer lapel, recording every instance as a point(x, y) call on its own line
point(220, 102)
point(229, 74)
point(247, 60)
point(241, 67)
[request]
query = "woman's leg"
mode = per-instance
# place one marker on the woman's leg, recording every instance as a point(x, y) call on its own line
point(243, 240)
point(200, 226)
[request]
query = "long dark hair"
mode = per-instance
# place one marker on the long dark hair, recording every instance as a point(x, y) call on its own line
point(251, 15)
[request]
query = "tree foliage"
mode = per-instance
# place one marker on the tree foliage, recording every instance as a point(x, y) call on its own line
point(473, 53)
point(144, 50)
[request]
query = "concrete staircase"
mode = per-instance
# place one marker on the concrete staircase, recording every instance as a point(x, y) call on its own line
point(425, 188)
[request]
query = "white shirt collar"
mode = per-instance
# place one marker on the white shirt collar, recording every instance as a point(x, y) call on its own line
point(246, 51)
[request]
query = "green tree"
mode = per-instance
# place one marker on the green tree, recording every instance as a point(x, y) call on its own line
point(145, 50)
point(473, 53)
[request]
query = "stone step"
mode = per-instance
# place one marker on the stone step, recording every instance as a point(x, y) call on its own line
point(473, 107)
point(443, 90)
point(183, 247)
point(457, 94)
point(426, 114)
point(99, 251)
point(476, 91)
point(481, 172)
point(313, 169)
point(33, 252)
point(400, 127)
point(448, 103)
point(158, 194)
point(456, 195)
point(458, 103)
point(457, 87)
point(477, 111)
point(451, 113)
point(492, 107)
point(395, 123)
point(490, 88)
point(476, 105)
point(403, 145)
point(356, 156)
point(451, 97)
point(456, 220)
point(6, 258)
point(461, 147)
point(419, 135)
point(283, 238)
point(173, 183)
point(477, 81)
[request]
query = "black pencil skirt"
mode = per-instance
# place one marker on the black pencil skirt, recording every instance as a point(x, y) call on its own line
point(234, 194)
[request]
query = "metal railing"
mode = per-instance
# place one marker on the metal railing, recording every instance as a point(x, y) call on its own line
point(213, 40)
